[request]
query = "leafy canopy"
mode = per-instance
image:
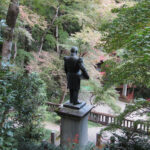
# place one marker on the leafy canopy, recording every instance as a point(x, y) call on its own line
point(130, 34)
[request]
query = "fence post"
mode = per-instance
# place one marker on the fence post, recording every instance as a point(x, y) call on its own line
point(98, 140)
point(53, 137)
point(107, 120)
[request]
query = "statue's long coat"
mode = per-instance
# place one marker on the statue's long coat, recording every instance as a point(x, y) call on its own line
point(75, 70)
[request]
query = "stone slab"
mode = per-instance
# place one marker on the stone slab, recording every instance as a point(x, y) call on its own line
point(74, 125)
point(78, 106)
point(74, 131)
point(78, 113)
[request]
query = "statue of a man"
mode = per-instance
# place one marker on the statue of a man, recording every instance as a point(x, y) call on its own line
point(75, 71)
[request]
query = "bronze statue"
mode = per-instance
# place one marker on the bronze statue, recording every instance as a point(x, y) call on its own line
point(75, 71)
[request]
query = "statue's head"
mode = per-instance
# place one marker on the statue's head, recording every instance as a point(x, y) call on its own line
point(74, 50)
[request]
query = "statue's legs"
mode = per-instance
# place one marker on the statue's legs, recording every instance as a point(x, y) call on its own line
point(74, 96)
point(71, 96)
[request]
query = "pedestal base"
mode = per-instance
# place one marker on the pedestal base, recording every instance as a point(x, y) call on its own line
point(78, 106)
point(74, 125)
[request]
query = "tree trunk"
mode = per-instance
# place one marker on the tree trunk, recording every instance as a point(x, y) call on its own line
point(57, 43)
point(41, 45)
point(63, 96)
point(11, 18)
point(46, 31)
point(6, 50)
point(15, 50)
point(26, 59)
point(124, 92)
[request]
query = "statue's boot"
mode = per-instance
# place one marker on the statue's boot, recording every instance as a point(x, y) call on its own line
point(77, 102)
point(71, 101)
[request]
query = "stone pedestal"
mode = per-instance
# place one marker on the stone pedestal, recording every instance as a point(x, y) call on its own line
point(74, 123)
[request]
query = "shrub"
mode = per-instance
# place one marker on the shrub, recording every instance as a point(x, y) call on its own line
point(22, 55)
point(20, 99)
point(129, 140)
point(50, 42)
point(7, 98)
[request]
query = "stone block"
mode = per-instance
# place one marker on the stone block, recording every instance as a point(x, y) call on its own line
point(74, 125)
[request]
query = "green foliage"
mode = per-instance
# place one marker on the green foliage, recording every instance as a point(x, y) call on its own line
point(45, 145)
point(52, 117)
point(3, 8)
point(70, 23)
point(71, 17)
point(23, 33)
point(21, 56)
point(142, 92)
point(37, 34)
point(129, 32)
point(20, 98)
point(140, 108)
point(133, 108)
point(50, 42)
point(27, 105)
point(83, 46)
point(53, 76)
point(53, 91)
point(42, 146)
point(102, 95)
point(130, 138)
point(63, 35)
point(129, 21)
point(45, 8)
point(129, 141)
point(7, 98)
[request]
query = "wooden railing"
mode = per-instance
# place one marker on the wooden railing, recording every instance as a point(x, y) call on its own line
point(102, 118)
point(52, 106)
point(107, 119)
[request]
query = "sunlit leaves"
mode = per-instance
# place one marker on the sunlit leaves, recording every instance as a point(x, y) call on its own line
point(130, 31)
point(128, 22)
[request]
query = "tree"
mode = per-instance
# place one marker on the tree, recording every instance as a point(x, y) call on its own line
point(129, 34)
point(11, 18)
